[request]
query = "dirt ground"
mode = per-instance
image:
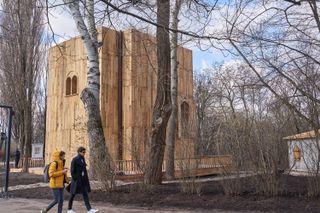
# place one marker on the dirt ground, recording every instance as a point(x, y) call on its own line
point(293, 199)
point(20, 179)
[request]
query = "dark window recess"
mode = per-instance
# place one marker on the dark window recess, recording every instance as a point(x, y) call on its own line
point(68, 86)
point(74, 85)
point(184, 120)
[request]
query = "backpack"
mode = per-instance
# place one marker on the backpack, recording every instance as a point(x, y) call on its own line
point(46, 177)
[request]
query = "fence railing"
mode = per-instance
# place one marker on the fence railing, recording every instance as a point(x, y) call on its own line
point(134, 167)
point(131, 167)
point(33, 162)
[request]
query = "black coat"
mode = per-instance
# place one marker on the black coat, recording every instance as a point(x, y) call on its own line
point(17, 155)
point(79, 174)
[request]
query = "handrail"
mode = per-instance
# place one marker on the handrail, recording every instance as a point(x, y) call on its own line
point(132, 167)
point(33, 162)
point(207, 162)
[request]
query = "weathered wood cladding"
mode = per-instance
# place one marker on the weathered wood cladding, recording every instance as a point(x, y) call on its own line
point(128, 60)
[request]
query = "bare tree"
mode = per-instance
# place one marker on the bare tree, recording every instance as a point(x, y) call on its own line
point(287, 54)
point(172, 124)
point(207, 121)
point(21, 64)
point(90, 95)
point(246, 127)
point(162, 106)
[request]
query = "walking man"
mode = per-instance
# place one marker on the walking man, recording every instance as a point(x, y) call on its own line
point(80, 180)
point(17, 158)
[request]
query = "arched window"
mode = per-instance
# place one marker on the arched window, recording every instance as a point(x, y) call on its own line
point(74, 85)
point(296, 153)
point(71, 85)
point(68, 86)
point(184, 119)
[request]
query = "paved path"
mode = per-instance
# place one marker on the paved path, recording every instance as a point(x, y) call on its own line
point(34, 206)
point(96, 185)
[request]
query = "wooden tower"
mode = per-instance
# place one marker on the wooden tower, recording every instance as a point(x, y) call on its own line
point(128, 90)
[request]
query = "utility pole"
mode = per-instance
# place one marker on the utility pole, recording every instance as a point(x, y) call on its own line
point(9, 108)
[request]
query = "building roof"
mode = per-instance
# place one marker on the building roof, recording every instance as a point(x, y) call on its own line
point(301, 136)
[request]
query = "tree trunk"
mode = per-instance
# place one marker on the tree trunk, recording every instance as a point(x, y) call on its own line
point(100, 159)
point(21, 140)
point(162, 106)
point(172, 125)
point(98, 150)
point(21, 60)
point(27, 130)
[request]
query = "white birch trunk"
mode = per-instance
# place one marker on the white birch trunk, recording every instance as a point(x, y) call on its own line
point(172, 125)
point(100, 159)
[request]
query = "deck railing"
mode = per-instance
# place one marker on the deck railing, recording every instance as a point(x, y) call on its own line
point(131, 167)
point(134, 167)
point(33, 162)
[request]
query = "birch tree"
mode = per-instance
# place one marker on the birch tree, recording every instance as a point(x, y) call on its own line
point(99, 155)
point(172, 124)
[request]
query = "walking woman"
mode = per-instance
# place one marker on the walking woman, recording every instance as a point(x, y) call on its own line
point(80, 181)
point(57, 174)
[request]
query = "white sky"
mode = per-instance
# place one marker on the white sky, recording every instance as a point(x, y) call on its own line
point(64, 27)
point(62, 24)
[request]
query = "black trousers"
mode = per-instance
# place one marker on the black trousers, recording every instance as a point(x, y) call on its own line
point(85, 199)
point(16, 162)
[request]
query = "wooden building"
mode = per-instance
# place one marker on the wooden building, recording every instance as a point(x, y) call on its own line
point(128, 90)
point(303, 152)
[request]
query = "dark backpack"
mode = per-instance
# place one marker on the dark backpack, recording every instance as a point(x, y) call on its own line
point(46, 177)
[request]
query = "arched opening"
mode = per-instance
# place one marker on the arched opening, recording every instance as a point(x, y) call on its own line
point(74, 85)
point(296, 153)
point(184, 119)
point(68, 86)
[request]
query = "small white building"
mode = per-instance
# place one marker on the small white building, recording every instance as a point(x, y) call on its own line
point(303, 150)
point(37, 150)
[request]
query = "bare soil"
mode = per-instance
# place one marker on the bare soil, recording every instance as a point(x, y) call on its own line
point(20, 179)
point(293, 198)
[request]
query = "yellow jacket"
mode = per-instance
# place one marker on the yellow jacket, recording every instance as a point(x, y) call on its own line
point(56, 174)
